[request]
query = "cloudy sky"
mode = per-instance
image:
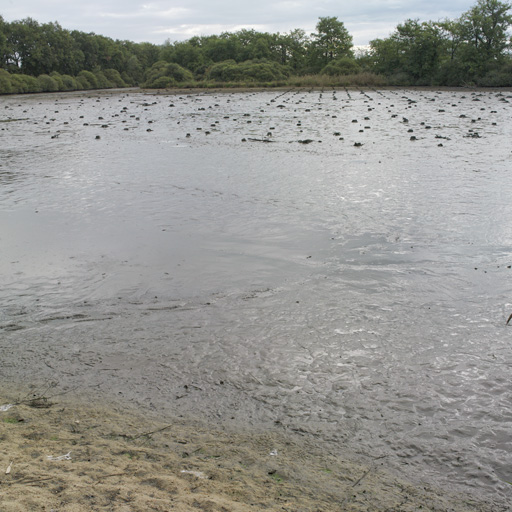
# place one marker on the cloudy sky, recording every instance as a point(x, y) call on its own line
point(156, 21)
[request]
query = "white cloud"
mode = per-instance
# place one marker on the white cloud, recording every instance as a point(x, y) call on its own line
point(156, 20)
point(188, 31)
point(145, 12)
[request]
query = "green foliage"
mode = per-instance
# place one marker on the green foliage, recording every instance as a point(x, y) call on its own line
point(163, 74)
point(473, 49)
point(31, 48)
point(58, 80)
point(3, 43)
point(47, 83)
point(248, 71)
point(342, 66)
point(331, 41)
point(87, 80)
point(5, 82)
point(70, 83)
point(101, 79)
point(451, 52)
point(414, 52)
point(188, 54)
point(114, 78)
point(484, 32)
point(499, 77)
point(82, 83)
point(24, 83)
point(163, 82)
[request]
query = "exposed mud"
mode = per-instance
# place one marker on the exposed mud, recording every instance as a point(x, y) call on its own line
point(156, 249)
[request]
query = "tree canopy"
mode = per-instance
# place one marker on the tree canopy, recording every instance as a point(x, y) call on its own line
point(472, 49)
point(475, 48)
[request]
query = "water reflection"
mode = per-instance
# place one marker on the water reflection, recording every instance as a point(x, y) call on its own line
point(354, 293)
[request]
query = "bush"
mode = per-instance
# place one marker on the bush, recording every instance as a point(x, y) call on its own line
point(47, 83)
point(400, 78)
point(87, 80)
point(56, 76)
point(363, 79)
point(501, 76)
point(164, 82)
point(248, 71)
point(495, 79)
point(101, 80)
point(163, 74)
point(114, 77)
point(453, 73)
point(24, 83)
point(69, 83)
point(127, 79)
point(342, 66)
point(5, 82)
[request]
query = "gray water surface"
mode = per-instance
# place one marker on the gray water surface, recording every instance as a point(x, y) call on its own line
point(355, 294)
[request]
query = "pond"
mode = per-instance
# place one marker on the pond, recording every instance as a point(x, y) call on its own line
point(333, 263)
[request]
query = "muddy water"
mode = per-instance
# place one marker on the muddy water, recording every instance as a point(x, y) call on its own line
point(188, 253)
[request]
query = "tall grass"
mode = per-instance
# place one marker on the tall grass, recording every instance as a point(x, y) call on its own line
point(10, 83)
point(362, 79)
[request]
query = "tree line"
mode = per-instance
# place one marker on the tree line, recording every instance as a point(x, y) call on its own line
point(473, 49)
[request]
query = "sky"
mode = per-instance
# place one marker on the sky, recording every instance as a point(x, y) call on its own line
point(178, 20)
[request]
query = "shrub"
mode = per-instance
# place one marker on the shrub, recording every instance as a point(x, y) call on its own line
point(56, 76)
point(501, 76)
point(400, 78)
point(24, 83)
point(127, 79)
point(5, 82)
point(164, 82)
point(114, 77)
point(47, 83)
point(88, 80)
point(163, 74)
point(101, 80)
point(342, 66)
point(248, 71)
point(69, 83)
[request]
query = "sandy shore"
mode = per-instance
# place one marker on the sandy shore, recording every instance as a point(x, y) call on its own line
point(58, 453)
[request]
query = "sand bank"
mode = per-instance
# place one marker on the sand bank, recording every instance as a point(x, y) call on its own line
point(58, 453)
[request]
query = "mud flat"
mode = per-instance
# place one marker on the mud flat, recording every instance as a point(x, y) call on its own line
point(325, 268)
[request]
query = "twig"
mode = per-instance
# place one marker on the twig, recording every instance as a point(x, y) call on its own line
point(364, 476)
point(33, 481)
point(40, 400)
point(113, 474)
point(145, 434)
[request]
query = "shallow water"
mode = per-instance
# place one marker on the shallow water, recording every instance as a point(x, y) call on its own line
point(356, 294)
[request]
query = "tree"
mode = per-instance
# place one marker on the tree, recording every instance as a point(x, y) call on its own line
point(412, 54)
point(484, 28)
point(3, 43)
point(21, 44)
point(291, 49)
point(187, 54)
point(423, 47)
point(331, 41)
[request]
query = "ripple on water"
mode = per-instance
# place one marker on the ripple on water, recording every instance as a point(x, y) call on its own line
point(357, 294)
